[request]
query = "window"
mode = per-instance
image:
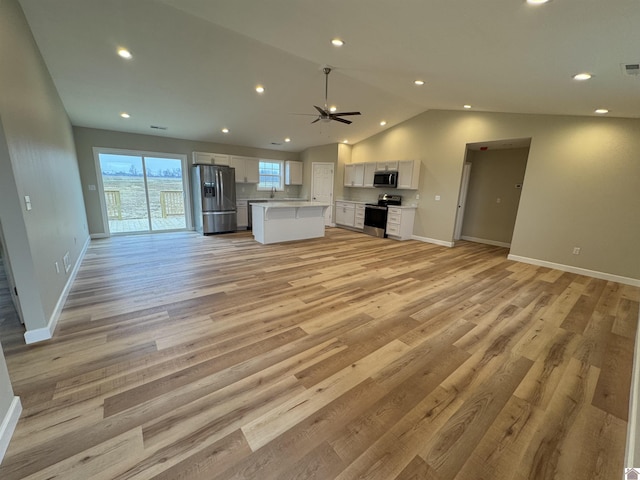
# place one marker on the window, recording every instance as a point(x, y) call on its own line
point(271, 174)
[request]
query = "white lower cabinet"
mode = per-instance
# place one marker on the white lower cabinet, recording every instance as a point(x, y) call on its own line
point(242, 214)
point(400, 222)
point(345, 214)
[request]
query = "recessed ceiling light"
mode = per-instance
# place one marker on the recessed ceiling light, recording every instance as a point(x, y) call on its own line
point(582, 76)
point(287, 139)
point(383, 123)
point(260, 89)
point(225, 130)
point(466, 106)
point(336, 42)
point(125, 115)
point(333, 108)
point(345, 141)
point(418, 82)
point(601, 111)
point(124, 53)
point(536, 2)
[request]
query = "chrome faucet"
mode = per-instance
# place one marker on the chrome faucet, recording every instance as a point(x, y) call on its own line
point(273, 192)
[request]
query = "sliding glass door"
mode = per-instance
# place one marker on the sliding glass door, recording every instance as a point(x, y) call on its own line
point(142, 193)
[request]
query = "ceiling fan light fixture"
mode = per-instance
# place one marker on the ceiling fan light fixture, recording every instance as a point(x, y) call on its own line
point(333, 108)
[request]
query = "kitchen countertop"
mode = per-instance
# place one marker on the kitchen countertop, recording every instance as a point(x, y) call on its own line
point(290, 204)
point(267, 199)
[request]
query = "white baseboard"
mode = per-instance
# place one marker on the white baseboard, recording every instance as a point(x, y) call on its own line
point(432, 240)
point(632, 454)
point(8, 425)
point(580, 271)
point(46, 333)
point(486, 242)
point(100, 235)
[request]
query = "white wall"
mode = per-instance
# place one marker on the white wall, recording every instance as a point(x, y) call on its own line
point(580, 188)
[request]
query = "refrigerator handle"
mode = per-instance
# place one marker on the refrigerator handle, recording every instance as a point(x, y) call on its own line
point(221, 187)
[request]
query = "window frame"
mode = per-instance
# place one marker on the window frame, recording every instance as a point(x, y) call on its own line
point(264, 188)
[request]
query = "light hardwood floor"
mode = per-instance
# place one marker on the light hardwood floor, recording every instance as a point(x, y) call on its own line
point(179, 356)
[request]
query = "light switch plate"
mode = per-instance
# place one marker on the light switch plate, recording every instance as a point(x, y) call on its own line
point(27, 202)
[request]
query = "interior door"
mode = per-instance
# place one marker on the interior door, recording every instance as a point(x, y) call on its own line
point(322, 187)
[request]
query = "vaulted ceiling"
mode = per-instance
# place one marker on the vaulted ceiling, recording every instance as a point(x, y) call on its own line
point(196, 63)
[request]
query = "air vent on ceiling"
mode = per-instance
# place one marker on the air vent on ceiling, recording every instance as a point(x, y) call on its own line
point(157, 127)
point(632, 69)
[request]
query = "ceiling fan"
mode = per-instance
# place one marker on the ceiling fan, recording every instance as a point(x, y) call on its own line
point(325, 114)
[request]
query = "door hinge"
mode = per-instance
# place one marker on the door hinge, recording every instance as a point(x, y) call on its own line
point(15, 289)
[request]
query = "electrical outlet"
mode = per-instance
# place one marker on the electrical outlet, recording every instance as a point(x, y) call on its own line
point(498, 200)
point(66, 262)
point(437, 198)
point(576, 250)
point(417, 196)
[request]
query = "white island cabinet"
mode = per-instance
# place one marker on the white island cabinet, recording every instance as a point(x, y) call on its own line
point(275, 222)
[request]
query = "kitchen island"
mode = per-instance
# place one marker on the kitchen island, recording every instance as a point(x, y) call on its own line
point(275, 222)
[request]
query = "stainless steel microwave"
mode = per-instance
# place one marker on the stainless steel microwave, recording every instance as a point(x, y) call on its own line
point(385, 179)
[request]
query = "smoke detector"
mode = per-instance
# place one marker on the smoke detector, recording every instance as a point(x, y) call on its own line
point(631, 69)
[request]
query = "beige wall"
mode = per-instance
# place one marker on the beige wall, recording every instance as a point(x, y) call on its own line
point(38, 159)
point(492, 197)
point(580, 188)
point(87, 138)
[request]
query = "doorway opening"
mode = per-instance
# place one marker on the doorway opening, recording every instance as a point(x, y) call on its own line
point(142, 192)
point(10, 312)
point(490, 188)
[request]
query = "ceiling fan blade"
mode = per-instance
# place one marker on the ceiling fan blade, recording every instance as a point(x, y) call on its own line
point(338, 119)
point(342, 114)
point(316, 120)
point(322, 112)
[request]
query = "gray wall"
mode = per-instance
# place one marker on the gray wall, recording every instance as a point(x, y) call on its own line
point(37, 156)
point(494, 175)
point(580, 187)
point(87, 138)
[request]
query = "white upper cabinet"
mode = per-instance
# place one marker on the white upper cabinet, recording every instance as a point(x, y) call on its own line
point(354, 175)
point(369, 170)
point(220, 159)
point(247, 170)
point(292, 173)
point(408, 174)
point(387, 166)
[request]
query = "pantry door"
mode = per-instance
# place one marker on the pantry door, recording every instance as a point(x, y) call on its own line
point(322, 187)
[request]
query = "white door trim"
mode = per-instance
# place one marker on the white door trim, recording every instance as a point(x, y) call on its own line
point(462, 200)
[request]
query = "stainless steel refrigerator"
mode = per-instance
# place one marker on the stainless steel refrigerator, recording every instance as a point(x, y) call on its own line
point(214, 198)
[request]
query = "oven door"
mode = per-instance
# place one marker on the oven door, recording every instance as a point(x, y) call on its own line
point(375, 220)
